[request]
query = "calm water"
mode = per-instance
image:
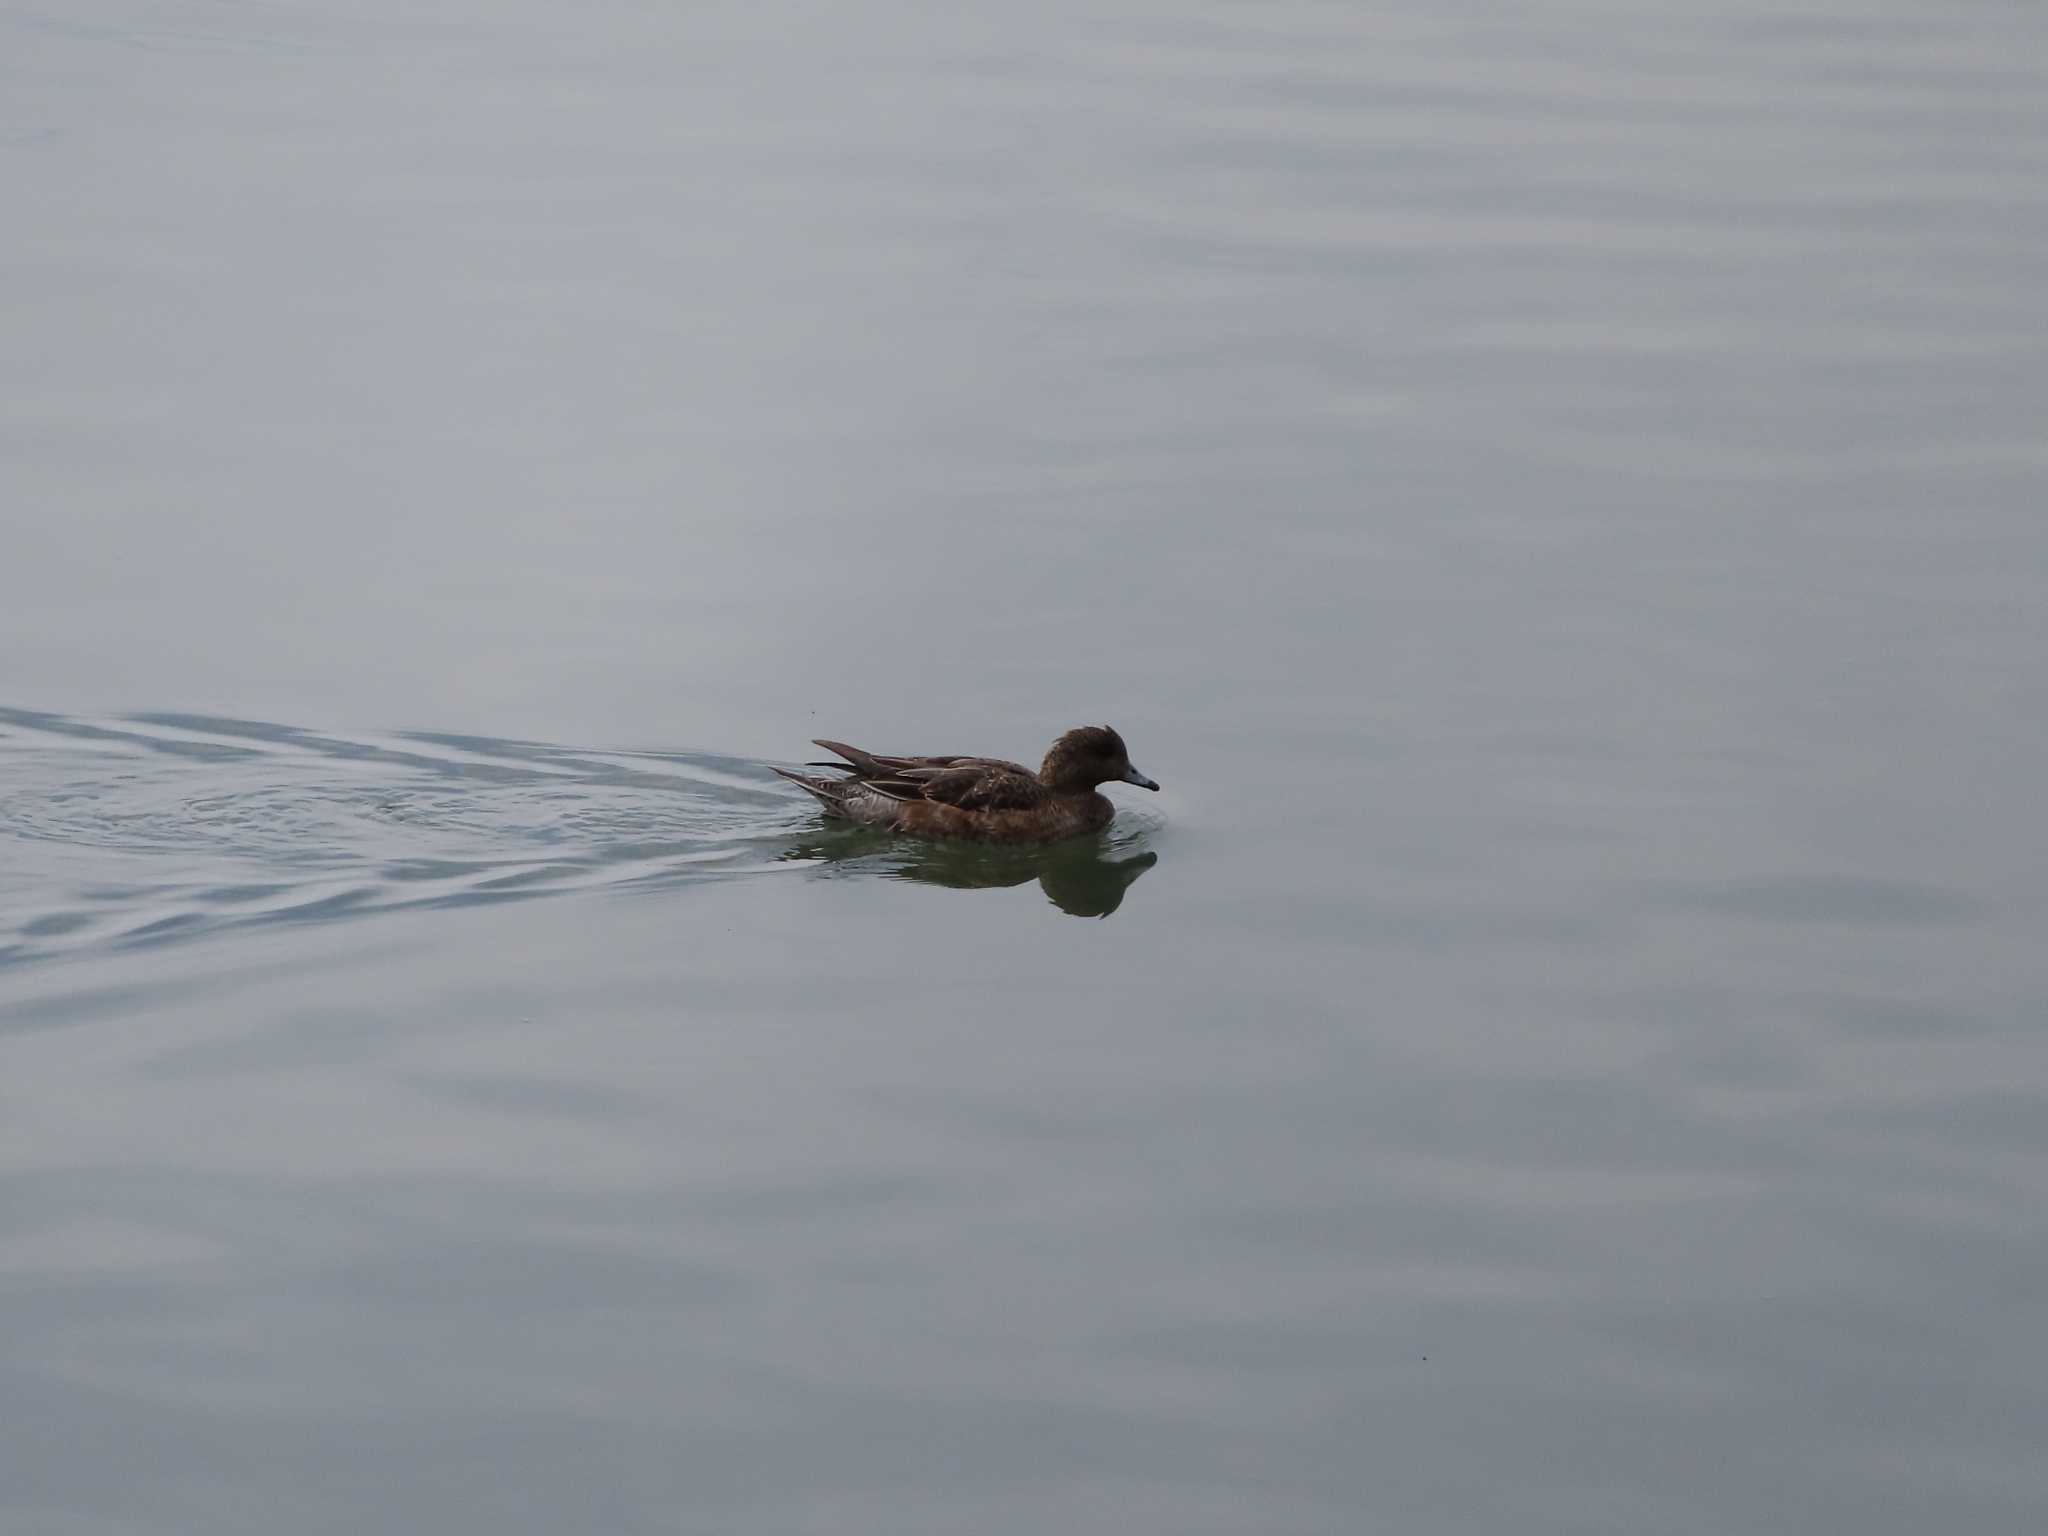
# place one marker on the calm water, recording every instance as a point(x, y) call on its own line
point(1555, 494)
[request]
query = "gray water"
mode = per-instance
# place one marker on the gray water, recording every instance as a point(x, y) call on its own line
point(1554, 493)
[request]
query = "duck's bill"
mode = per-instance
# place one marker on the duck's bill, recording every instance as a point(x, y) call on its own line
point(1132, 776)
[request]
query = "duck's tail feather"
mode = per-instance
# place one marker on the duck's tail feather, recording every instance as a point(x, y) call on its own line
point(829, 792)
point(863, 762)
point(853, 799)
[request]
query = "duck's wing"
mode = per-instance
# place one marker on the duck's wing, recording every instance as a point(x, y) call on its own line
point(859, 761)
point(971, 783)
point(984, 786)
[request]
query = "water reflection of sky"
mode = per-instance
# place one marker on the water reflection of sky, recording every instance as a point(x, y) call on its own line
point(1555, 497)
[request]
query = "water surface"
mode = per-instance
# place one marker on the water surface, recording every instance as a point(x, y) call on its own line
point(1555, 497)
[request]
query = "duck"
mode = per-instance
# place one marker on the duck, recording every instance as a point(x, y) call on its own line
point(978, 799)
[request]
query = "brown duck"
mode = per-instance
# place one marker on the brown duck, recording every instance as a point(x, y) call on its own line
point(979, 799)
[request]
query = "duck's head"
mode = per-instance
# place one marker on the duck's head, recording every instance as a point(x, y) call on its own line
point(1089, 755)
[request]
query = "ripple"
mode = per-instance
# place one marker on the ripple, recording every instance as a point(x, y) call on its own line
point(156, 828)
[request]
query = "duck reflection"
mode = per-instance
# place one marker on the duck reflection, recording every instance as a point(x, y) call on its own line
point(1086, 876)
